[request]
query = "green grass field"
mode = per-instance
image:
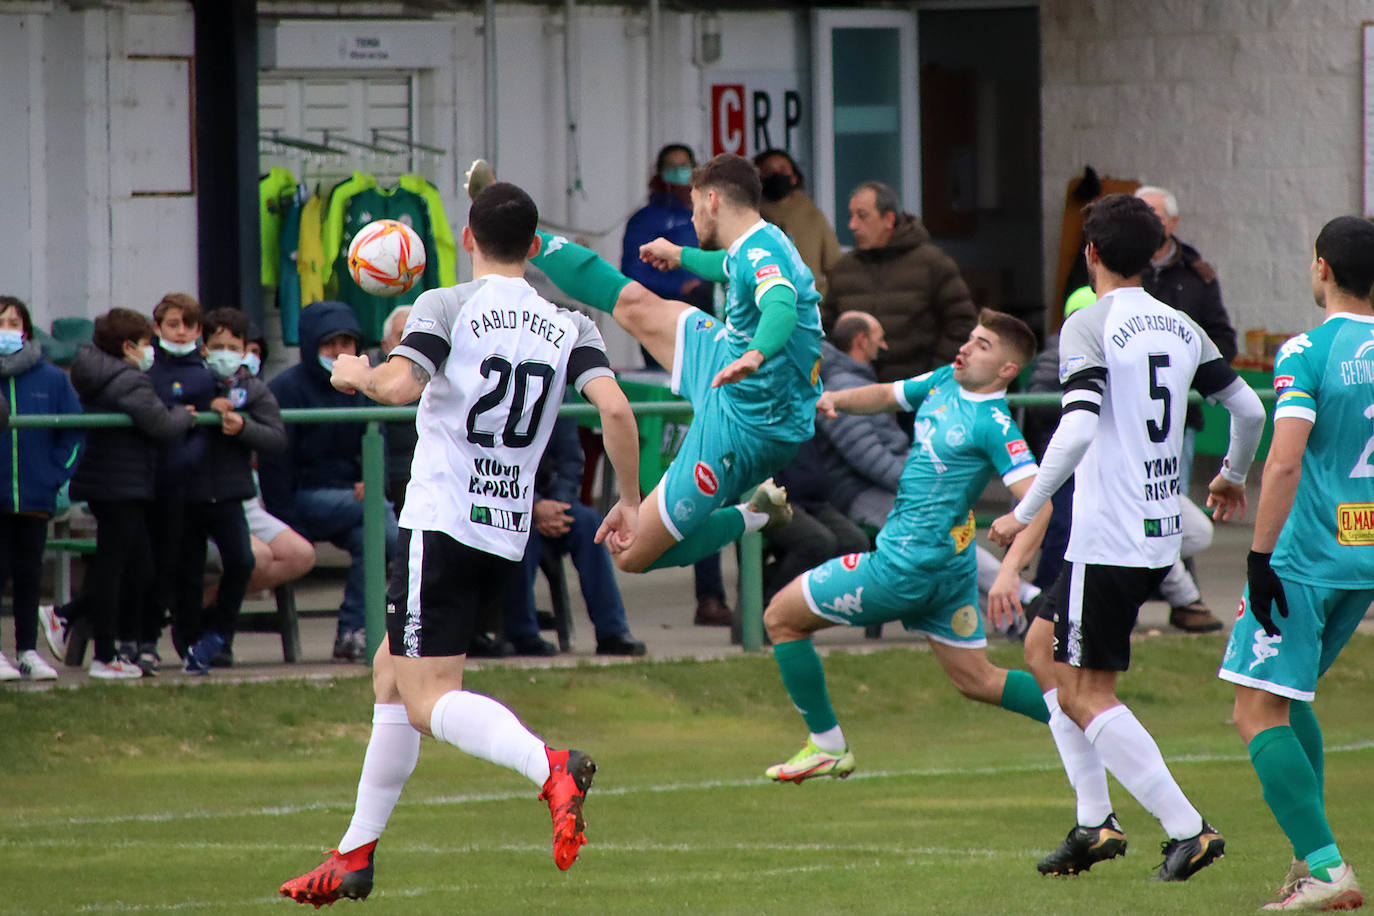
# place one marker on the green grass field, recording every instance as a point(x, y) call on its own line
point(202, 799)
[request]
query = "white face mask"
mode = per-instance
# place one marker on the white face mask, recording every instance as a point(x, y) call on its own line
point(11, 342)
point(253, 362)
point(224, 363)
point(327, 362)
point(177, 349)
point(146, 361)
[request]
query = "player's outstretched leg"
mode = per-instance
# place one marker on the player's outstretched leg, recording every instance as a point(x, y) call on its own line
point(482, 727)
point(766, 508)
point(790, 624)
point(1084, 847)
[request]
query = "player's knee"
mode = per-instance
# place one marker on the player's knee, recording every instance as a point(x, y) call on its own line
point(631, 562)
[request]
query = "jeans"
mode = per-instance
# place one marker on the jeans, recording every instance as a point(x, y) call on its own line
point(224, 523)
point(22, 538)
point(595, 572)
point(336, 515)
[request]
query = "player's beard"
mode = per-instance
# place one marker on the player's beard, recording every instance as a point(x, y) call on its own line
point(708, 236)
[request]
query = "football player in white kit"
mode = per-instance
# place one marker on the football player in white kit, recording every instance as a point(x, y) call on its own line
point(489, 361)
point(1126, 363)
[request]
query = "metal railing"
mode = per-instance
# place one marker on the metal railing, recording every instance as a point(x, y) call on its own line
point(374, 486)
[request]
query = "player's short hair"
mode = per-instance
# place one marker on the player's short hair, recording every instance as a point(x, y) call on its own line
point(503, 219)
point(733, 177)
point(884, 198)
point(769, 153)
point(1164, 194)
point(1346, 244)
point(849, 326)
point(673, 148)
point(1014, 334)
point(1124, 230)
point(119, 326)
point(226, 319)
point(14, 302)
point(190, 308)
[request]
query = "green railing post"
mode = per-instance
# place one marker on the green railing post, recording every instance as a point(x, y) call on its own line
point(374, 535)
point(751, 591)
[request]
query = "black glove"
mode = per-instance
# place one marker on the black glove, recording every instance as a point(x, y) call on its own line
point(1265, 589)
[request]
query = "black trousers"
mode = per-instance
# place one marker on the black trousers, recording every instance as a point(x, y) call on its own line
point(119, 574)
point(22, 538)
point(224, 523)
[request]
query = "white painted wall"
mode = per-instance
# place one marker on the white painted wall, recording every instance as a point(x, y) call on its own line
point(1249, 111)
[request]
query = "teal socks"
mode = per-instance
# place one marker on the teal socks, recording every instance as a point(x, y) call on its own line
point(720, 528)
point(804, 678)
point(579, 272)
point(1292, 792)
point(1309, 732)
point(1022, 694)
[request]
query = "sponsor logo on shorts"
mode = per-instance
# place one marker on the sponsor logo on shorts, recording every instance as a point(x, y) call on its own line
point(766, 271)
point(847, 605)
point(1163, 527)
point(1240, 611)
point(683, 509)
point(1265, 647)
point(1355, 524)
point(964, 622)
point(1282, 381)
point(850, 560)
point(705, 478)
point(1019, 452)
point(820, 574)
point(705, 323)
point(504, 519)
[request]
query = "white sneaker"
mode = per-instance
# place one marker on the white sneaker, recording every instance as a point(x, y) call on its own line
point(33, 668)
point(114, 670)
point(1342, 892)
point(7, 671)
point(53, 630)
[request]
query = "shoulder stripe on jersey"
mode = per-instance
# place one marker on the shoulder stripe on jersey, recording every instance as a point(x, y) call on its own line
point(584, 359)
point(1213, 377)
point(899, 391)
point(428, 351)
point(768, 284)
point(1020, 473)
point(579, 382)
point(1093, 378)
point(1295, 411)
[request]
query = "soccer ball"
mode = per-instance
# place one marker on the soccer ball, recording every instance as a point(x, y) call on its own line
point(386, 258)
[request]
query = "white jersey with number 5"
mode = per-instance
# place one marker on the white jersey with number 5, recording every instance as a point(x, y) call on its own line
point(499, 358)
point(1131, 359)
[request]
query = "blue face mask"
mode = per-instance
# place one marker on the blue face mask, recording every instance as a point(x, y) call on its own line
point(680, 175)
point(177, 349)
point(145, 362)
point(327, 362)
point(224, 363)
point(253, 361)
point(11, 342)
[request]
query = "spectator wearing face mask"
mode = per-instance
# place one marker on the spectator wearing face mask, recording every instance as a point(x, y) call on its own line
point(786, 205)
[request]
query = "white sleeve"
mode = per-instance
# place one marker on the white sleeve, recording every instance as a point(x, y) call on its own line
point(1067, 446)
point(1247, 426)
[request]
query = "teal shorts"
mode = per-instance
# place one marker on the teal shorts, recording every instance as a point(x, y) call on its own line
point(1319, 623)
point(860, 589)
point(719, 459)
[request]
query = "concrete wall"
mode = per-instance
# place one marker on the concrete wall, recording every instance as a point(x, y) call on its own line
point(1249, 111)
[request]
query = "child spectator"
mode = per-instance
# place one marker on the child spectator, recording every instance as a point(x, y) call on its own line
point(35, 462)
point(181, 377)
point(115, 477)
point(215, 490)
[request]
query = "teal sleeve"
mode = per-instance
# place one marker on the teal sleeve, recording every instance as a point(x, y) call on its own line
point(779, 317)
point(709, 265)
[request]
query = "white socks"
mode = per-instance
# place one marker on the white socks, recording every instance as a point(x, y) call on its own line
point(831, 740)
point(1081, 764)
point(390, 759)
point(482, 727)
point(1132, 756)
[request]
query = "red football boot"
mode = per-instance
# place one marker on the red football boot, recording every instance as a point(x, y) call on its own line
point(347, 874)
point(570, 776)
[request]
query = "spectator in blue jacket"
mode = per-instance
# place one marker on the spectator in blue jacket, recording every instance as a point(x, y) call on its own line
point(669, 214)
point(36, 463)
point(316, 485)
point(561, 518)
point(115, 476)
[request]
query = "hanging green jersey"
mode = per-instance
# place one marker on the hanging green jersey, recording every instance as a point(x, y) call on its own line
point(1326, 376)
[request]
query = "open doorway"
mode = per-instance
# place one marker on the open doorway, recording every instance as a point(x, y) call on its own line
point(980, 150)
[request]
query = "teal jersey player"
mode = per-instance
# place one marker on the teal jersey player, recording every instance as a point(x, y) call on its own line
point(1326, 377)
point(778, 400)
point(1310, 571)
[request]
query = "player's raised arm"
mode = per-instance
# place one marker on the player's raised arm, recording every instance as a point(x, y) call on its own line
point(866, 399)
point(396, 381)
point(620, 434)
point(1003, 599)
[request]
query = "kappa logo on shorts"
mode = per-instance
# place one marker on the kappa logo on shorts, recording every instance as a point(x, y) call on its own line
point(1265, 648)
point(706, 479)
point(847, 605)
point(850, 560)
point(964, 623)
